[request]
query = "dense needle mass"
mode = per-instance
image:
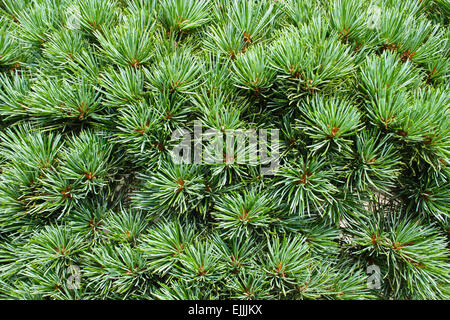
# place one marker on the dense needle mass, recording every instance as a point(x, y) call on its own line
point(96, 95)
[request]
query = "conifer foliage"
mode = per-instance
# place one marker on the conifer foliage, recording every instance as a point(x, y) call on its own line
point(94, 206)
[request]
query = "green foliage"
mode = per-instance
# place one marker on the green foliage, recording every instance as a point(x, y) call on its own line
point(414, 253)
point(95, 96)
point(330, 122)
point(236, 213)
point(128, 44)
point(184, 15)
point(174, 189)
point(305, 186)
